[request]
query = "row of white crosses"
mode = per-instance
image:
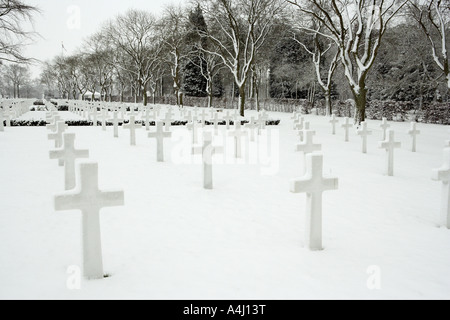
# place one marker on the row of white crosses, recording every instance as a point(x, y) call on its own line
point(318, 185)
point(83, 195)
point(313, 183)
point(11, 109)
point(388, 138)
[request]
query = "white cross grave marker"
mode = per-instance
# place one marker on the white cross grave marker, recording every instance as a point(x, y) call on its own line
point(203, 116)
point(216, 123)
point(389, 144)
point(132, 112)
point(228, 119)
point(104, 113)
point(307, 145)
point(132, 126)
point(90, 200)
point(237, 134)
point(67, 153)
point(314, 183)
point(364, 133)
point(251, 126)
point(194, 126)
point(207, 151)
point(413, 132)
point(53, 122)
point(384, 125)
point(443, 174)
point(333, 122)
point(301, 132)
point(159, 135)
point(57, 136)
point(94, 114)
point(347, 125)
point(298, 123)
point(168, 120)
point(147, 118)
point(115, 121)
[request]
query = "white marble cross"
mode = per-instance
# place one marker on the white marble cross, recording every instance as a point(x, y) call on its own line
point(8, 114)
point(104, 114)
point(94, 114)
point(203, 115)
point(413, 132)
point(157, 108)
point(90, 200)
point(384, 126)
point(261, 123)
point(298, 123)
point(57, 136)
point(67, 153)
point(194, 126)
point(132, 126)
point(301, 132)
point(132, 112)
point(389, 144)
point(237, 134)
point(228, 119)
point(53, 121)
point(216, 123)
point(295, 115)
point(207, 151)
point(307, 145)
point(168, 120)
point(147, 118)
point(364, 133)
point(115, 121)
point(188, 115)
point(333, 122)
point(443, 174)
point(159, 134)
point(346, 125)
point(314, 183)
point(251, 126)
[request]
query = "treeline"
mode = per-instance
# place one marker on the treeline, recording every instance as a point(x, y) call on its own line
point(259, 49)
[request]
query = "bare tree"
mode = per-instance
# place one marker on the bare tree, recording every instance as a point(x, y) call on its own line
point(433, 16)
point(135, 35)
point(18, 75)
point(318, 55)
point(173, 30)
point(357, 28)
point(238, 29)
point(13, 37)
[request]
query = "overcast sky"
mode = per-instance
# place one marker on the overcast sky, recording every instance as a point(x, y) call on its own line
point(58, 22)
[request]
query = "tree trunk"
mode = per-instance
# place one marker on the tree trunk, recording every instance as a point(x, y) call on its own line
point(242, 100)
point(257, 96)
point(144, 97)
point(328, 106)
point(180, 94)
point(210, 97)
point(360, 105)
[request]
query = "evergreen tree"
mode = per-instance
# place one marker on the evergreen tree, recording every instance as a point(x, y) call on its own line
point(194, 84)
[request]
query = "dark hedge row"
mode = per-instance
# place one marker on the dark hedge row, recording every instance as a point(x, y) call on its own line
point(87, 123)
point(436, 113)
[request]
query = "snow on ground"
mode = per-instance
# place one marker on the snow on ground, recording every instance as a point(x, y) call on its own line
point(242, 240)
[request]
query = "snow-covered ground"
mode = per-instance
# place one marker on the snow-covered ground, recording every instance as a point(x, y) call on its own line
point(242, 240)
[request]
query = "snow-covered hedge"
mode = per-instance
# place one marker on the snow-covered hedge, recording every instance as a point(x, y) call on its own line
point(437, 113)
